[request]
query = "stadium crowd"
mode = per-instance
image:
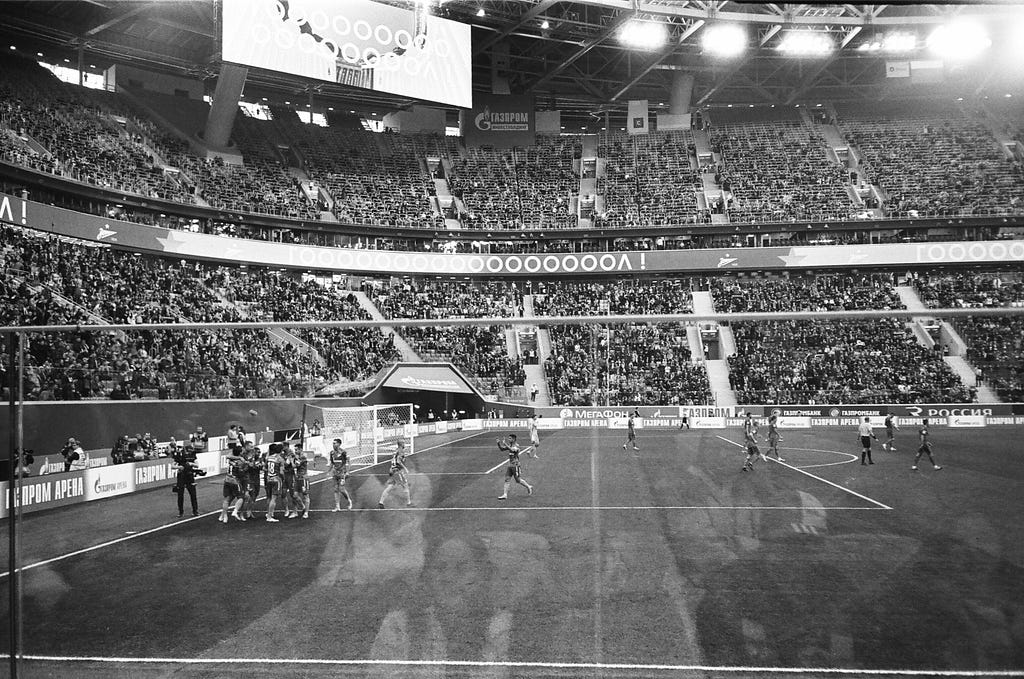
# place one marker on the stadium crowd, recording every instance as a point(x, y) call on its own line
point(855, 361)
point(821, 292)
point(482, 352)
point(636, 364)
point(777, 172)
point(940, 162)
point(995, 346)
point(59, 281)
point(930, 163)
point(859, 361)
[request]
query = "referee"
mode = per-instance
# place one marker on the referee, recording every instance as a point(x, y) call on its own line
point(865, 440)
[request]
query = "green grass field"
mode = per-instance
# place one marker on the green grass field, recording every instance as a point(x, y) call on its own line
point(668, 562)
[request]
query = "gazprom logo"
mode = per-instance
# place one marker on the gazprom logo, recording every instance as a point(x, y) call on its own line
point(483, 120)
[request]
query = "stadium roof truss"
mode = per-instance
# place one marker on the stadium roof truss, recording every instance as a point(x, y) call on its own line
point(568, 54)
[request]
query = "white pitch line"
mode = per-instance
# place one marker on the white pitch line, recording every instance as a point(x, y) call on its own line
point(531, 664)
point(834, 485)
point(590, 508)
point(497, 466)
point(427, 474)
point(180, 522)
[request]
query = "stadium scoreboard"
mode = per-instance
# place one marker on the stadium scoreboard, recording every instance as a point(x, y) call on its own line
point(359, 43)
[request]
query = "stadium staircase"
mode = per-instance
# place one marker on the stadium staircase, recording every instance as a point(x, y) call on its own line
point(718, 369)
point(588, 185)
point(535, 373)
point(930, 331)
point(406, 351)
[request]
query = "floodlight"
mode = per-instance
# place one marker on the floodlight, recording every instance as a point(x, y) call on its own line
point(724, 40)
point(959, 40)
point(806, 43)
point(899, 42)
point(647, 35)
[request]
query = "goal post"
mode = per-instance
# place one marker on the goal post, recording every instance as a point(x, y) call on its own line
point(368, 433)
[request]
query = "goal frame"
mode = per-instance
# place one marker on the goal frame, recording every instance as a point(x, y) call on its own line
point(365, 430)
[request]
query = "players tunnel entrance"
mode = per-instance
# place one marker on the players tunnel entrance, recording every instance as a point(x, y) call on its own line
point(438, 391)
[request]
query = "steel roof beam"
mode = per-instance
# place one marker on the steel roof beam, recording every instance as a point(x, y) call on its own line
point(659, 57)
point(724, 78)
point(994, 11)
point(589, 45)
point(527, 16)
point(124, 16)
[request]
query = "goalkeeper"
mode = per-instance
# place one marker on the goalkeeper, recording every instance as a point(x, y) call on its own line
point(513, 471)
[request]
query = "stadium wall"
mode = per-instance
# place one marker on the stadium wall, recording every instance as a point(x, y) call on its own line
point(97, 424)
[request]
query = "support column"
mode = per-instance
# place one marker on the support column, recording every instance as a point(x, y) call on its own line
point(681, 95)
point(225, 105)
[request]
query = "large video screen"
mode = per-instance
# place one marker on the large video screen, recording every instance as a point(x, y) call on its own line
point(407, 52)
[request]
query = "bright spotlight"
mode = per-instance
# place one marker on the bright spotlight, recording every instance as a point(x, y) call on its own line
point(959, 40)
point(724, 40)
point(647, 35)
point(899, 42)
point(806, 43)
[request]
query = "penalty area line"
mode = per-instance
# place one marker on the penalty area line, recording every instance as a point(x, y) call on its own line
point(813, 476)
point(528, 664)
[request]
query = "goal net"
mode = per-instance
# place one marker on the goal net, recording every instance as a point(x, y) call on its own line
point(368, 433)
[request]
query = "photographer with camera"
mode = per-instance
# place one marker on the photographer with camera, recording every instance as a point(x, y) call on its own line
point(25, 460)
point(72, 453)
point(188, 470)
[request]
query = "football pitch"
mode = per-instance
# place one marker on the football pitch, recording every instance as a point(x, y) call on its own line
point(665, 562)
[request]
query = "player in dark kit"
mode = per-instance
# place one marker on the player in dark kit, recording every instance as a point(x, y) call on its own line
point(750, 441)
point(631, 430)
point(890, 433)
point(288, 489)
point(234, 485)
point(513, 471)
point(301, 488)
point(774, 437)
point(339, 473)
point(272, 471)
point(926, 446)
point(398, 476)
point(254, 469)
